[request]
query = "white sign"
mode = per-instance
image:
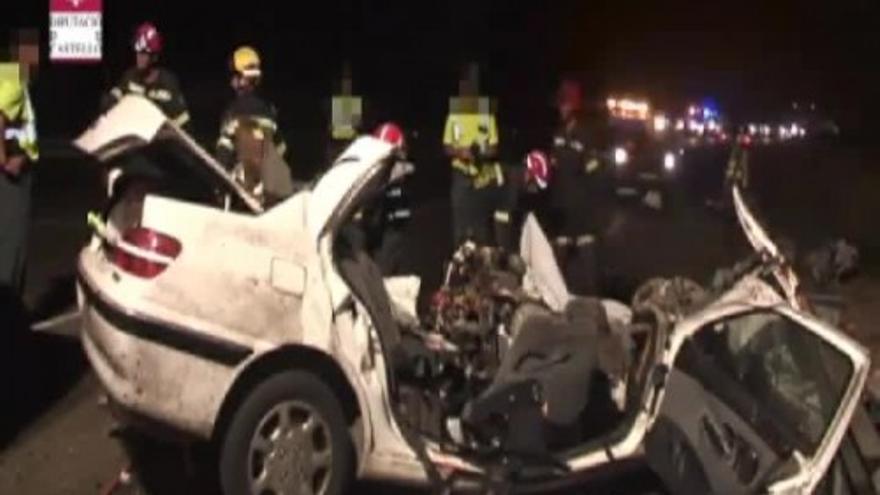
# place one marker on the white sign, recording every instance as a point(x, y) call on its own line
point(75, 30)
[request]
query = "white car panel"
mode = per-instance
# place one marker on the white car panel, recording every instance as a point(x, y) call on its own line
point(224, 271)
point(339, 184)
point(133, 117)
point(150, 378)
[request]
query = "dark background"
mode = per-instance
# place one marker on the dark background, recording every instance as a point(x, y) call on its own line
point(752, 57)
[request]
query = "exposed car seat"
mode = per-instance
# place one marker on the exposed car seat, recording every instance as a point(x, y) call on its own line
point(555, 352)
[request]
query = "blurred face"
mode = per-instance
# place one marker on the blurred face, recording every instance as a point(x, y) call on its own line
point(241, 83)
point(237, 82)
point(26, 50)
point(566, 110)
point(466, 88)
point(143, 61)
point(401, 151)
point(569, 100)
point(469, 82)
point(29, 53)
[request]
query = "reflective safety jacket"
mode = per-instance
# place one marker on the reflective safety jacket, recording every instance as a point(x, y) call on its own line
point(163, 90)
point(573, 151)
point(247, 112)
point(20, 133)
point(477, 131)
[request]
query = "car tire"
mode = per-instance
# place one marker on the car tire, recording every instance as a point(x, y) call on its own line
point(259, 440)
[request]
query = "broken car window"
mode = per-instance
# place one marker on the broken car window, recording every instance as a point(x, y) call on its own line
point(785, 367)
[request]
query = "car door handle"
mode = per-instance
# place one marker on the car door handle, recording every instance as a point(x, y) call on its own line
point(716, 436)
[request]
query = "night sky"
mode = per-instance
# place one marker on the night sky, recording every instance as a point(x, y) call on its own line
point(753, 57)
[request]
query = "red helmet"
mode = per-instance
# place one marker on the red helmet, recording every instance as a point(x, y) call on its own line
point(390, 133)
point(537, 168)
point(147, 39)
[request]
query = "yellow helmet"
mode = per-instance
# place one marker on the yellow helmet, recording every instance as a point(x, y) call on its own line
point(246, 61)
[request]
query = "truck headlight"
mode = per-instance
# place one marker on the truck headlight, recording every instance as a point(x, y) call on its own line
point(669, 161)
point(620, 156)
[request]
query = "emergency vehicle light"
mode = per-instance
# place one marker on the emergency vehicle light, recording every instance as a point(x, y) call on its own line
point(628, 109)
point(661, 123)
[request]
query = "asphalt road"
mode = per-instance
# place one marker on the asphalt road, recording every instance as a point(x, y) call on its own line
point(65, 442)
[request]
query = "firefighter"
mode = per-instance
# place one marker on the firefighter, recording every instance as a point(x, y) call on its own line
point(394, 213)
point(576, 193)
point(521, 194)
point(250, 143)
point(18, 153)
point(470, 140)
point(147, 79)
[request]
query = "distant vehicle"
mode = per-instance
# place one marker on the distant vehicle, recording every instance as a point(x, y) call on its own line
point(644, 163)
point(763, 133)
point(274, 334)
point(705, 126)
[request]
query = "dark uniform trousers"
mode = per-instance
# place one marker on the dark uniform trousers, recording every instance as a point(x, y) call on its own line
point(576, 196)
point(15, 207)
point(472, 210)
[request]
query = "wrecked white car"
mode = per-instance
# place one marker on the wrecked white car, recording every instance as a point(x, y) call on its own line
point(274, 334)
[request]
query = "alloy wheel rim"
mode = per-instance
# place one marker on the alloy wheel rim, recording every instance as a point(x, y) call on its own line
point(290, 452)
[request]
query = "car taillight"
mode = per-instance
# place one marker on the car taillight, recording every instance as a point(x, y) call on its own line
point(145, 253)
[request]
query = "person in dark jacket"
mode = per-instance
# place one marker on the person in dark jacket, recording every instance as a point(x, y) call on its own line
point(393, 215)
point(148, 79)
point(576, 192)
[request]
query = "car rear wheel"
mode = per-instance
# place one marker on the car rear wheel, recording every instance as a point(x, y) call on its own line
point(288, 436)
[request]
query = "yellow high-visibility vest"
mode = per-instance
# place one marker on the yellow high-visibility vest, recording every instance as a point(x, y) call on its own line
point(15, 105)
point(346, 115)
point(463, 130)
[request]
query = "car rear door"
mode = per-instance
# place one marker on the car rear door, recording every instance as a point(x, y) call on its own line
point(756, 401)
point(343, 188)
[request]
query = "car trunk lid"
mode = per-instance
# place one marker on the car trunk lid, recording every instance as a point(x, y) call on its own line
point(134, 124)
